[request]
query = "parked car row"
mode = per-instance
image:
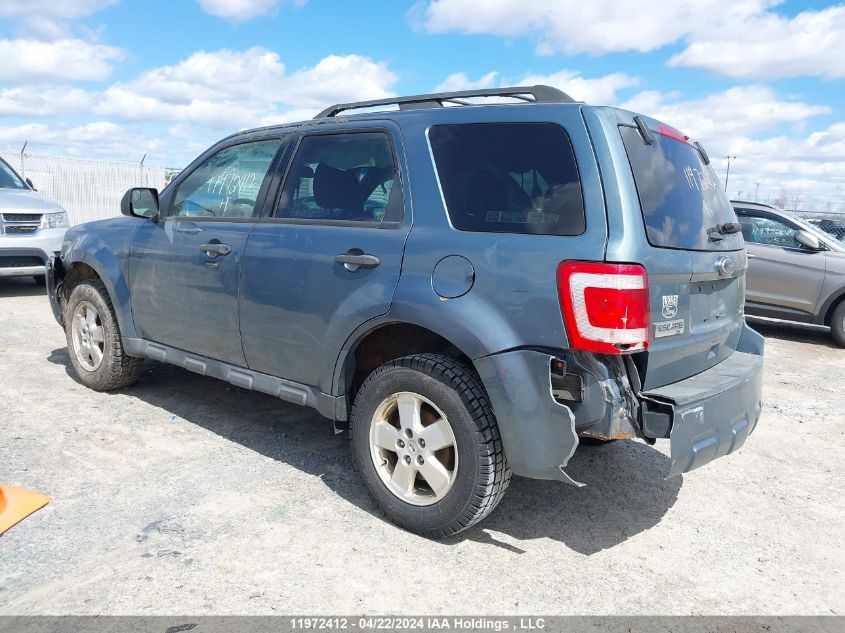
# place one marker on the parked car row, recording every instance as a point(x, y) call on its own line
point(31, 227)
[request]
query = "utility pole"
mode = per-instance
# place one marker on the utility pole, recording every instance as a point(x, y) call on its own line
point(728, 172)
point(756, 191)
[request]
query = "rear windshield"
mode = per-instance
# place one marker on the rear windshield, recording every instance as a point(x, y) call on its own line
point(509, 178)
point(681, 197)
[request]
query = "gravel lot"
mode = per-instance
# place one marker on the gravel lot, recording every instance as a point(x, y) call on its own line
point(184, 494)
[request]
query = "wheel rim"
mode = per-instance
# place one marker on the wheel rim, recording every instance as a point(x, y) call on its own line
point(413, 449)
point(87, 336)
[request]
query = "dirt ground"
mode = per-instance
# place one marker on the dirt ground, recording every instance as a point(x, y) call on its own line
point(184, 494)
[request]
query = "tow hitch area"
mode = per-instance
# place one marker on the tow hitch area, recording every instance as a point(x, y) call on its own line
point(713, 412)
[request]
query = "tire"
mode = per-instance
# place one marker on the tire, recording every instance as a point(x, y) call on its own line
point(93, 340)
point(40, 280)
point(837, 324)
point(469, 476)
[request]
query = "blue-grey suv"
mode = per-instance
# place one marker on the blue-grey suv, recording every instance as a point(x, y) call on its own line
point(472, 285)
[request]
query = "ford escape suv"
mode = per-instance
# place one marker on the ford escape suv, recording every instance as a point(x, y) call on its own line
point(471, 287)
point(31, 227)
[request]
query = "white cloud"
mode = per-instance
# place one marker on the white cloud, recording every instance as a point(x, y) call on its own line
point(768, 46)
point(338, 78)
point(237, 89)
point(460, 81)
point(27, 60)
point(64, 9)
point(597, 90)
point(43, 101)
point(717, 118)
point(49, 19)
point(570, 26)
point(731, 122)
point(745, 38)
point(810, 169)
point(97, 139)
point(241, 10)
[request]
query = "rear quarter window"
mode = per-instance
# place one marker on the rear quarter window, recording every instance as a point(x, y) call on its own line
point(509, 178)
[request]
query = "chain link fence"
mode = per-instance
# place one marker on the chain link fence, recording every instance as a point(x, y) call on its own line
point(88, 189)
point(831, 223)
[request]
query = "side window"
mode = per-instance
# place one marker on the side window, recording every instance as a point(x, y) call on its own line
point(227, 184)
point(509, 178)
point(759, 230)
point(349, 176)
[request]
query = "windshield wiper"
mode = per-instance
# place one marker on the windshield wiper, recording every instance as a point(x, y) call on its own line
point(719, 231)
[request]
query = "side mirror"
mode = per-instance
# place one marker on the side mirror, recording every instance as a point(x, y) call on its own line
point(808, 240)
point(31, 186)
point(140, 202)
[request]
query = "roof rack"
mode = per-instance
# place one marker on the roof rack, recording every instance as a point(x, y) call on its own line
point(531, 94)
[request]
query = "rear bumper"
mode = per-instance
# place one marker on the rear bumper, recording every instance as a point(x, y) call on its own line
point(706, 416)
point(714, 412)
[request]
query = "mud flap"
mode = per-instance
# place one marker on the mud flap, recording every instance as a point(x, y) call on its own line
point(713, 412)
point(538, 433)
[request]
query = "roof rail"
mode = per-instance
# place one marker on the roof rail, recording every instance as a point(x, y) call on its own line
point(531, 94)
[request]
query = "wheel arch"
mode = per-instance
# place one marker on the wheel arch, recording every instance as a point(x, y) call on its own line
point(382, 343)
point(106, 268)
point(825, 315)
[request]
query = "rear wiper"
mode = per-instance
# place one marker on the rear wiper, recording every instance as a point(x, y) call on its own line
point(718, 232)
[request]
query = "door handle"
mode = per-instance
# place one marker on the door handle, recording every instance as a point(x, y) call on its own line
point(750, 256)
point(216, 248)
point(356, 258)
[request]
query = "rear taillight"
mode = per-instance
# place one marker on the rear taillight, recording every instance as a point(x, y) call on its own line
point(605, 306)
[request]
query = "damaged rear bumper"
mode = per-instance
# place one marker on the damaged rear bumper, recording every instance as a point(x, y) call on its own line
point(538, 433)
point(714, 412)
point(706, 416)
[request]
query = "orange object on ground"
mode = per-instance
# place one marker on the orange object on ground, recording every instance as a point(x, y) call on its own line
point(17, 503)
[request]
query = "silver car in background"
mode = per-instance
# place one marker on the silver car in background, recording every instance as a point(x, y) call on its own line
point(32, 227)
point(796, 272)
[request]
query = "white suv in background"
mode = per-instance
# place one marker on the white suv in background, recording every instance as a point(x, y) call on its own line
point(31, 227)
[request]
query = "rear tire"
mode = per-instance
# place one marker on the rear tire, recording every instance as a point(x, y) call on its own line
point(439, 488)
point(93, 340)
point(837, 324)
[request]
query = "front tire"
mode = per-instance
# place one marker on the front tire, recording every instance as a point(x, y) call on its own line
point(837, 324)
point(93, 340)
point(428, 446)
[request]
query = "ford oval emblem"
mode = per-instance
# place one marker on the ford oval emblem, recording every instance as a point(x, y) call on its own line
point(725, 266)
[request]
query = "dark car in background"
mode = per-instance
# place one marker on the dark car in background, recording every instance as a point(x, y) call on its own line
point(834, 228)
point(796, 272)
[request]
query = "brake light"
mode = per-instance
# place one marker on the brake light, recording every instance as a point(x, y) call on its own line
point(605, 306)
point(671, 132)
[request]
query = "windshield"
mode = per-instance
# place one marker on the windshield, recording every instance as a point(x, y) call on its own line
point(8, 178)
point(681, 198)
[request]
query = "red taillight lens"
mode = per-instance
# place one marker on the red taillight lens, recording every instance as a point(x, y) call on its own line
point(605, 306)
